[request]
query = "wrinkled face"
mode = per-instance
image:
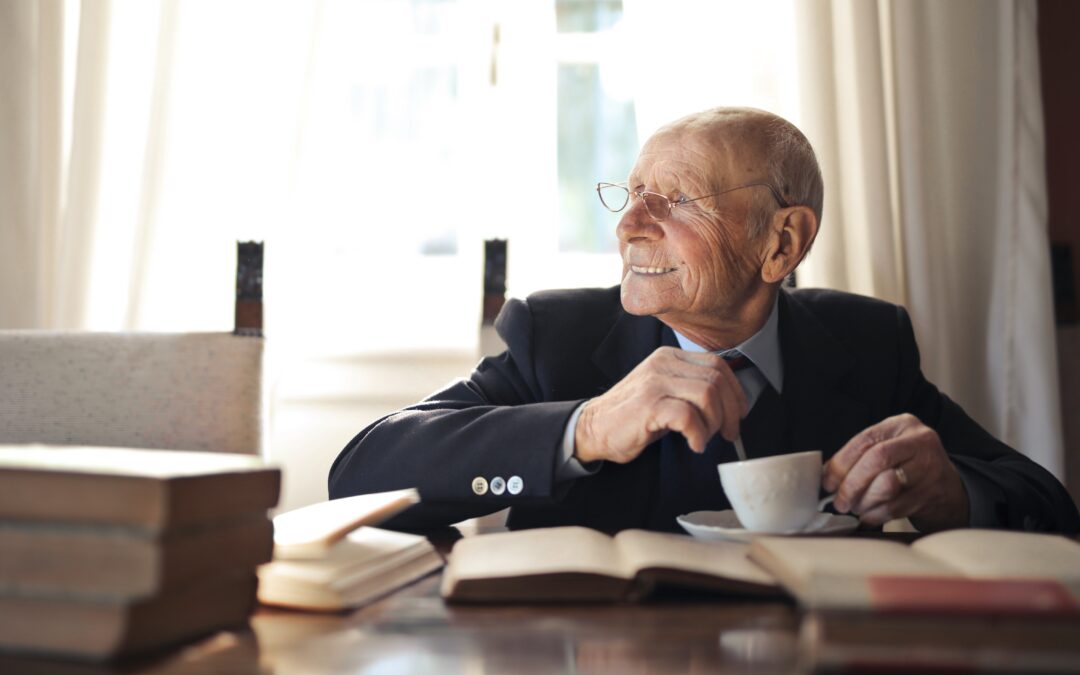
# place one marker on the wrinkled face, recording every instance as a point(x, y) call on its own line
point(696, 266)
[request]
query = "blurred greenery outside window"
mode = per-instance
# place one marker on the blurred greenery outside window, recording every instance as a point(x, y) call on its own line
point(597, 134)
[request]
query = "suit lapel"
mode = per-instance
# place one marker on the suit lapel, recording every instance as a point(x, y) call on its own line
point(629, 342)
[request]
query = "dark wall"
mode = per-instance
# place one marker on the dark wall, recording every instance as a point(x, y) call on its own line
point(1059, 57)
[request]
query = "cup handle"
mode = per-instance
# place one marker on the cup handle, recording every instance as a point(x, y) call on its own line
point(825, 501)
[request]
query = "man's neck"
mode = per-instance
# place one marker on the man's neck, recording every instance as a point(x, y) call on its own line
point(727, 330)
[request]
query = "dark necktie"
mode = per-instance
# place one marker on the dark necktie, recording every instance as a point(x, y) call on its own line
point(737, 361)
point(688, 481)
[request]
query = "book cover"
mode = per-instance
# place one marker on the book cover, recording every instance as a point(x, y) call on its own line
point(150, 490)
point(122, 563)
point(106, 630)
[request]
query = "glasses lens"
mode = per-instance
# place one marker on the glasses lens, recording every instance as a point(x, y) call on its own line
point(613, 197)
point(658, 206)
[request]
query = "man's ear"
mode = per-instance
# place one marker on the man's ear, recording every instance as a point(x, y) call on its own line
point(791, 232)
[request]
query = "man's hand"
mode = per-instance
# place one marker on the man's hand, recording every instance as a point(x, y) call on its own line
point(695, 394)
point(898, 469)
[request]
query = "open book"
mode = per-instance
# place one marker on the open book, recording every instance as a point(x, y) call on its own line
point(311, 531)
point(965, 571)
point(323, 562)
point(576, 563)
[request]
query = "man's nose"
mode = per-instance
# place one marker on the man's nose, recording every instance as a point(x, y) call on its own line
point(636, 223)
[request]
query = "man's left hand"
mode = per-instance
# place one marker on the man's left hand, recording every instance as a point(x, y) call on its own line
point(898, 469)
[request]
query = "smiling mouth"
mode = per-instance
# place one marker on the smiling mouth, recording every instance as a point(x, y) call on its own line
point(651, 270)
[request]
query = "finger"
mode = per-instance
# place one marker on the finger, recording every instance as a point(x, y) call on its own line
point(728, 394)
point(706, 359)
point(715, 391)
point(676, 414)
point(705, 367)
point(878, 458)
point(842, 462)
point(885, 487)
point(714, 403)
point(906, 504)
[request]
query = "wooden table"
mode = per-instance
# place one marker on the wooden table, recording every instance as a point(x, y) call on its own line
point(414, 631)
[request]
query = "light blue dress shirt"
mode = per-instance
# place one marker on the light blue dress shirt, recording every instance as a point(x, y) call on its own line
point(762, 349)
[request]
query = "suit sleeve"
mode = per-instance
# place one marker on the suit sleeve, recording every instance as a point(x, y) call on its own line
point(496, 423)
point(1005, 488)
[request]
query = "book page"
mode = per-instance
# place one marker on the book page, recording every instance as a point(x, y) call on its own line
point(831, 572)
point(998, 553)
point(641, 549)
point(550, 550)
point(362, 549)
point(806, 557)
point(311, 531)
point(144, 463)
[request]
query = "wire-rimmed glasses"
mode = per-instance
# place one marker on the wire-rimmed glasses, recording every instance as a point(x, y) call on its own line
point(615, 197)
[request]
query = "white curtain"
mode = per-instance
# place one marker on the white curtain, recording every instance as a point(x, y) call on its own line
point(928, 122)
point(50, 154)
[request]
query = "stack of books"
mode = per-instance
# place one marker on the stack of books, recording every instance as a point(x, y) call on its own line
point(108, 552)
point(328, 558)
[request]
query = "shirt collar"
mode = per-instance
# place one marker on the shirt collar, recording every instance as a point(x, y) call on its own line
point(762, 348)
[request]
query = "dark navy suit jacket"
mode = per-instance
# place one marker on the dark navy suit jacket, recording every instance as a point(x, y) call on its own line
point(849, 362)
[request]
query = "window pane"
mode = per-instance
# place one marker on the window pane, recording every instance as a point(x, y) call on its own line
point(586, 16)
point(597, 141)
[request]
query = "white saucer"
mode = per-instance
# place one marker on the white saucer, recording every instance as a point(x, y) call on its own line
point(725, 526)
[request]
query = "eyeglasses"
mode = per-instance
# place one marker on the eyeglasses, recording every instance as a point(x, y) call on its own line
point(615, 197)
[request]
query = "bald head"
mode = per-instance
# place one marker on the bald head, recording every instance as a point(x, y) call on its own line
point(756, 146)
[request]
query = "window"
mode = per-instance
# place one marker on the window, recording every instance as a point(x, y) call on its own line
point(375, 144)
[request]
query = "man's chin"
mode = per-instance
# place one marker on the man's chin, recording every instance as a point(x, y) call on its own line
point(640, 304)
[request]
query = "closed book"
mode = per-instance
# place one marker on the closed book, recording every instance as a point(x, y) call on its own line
point(965, 571)
point(366, 564)
point(99, 631)
point(577, 563)
point(121, 563)
point(150, 490)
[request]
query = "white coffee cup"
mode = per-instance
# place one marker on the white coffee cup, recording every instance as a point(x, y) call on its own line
point(777, 494)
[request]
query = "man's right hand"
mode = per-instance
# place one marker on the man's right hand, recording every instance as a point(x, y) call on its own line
point(693, 393)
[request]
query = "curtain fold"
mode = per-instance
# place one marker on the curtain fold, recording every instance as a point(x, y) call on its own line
point(30, 94)
point(927, 118)
point(73, 249)
point(48, 194)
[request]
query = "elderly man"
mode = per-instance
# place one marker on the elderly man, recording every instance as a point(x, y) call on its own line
point(612, 408)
